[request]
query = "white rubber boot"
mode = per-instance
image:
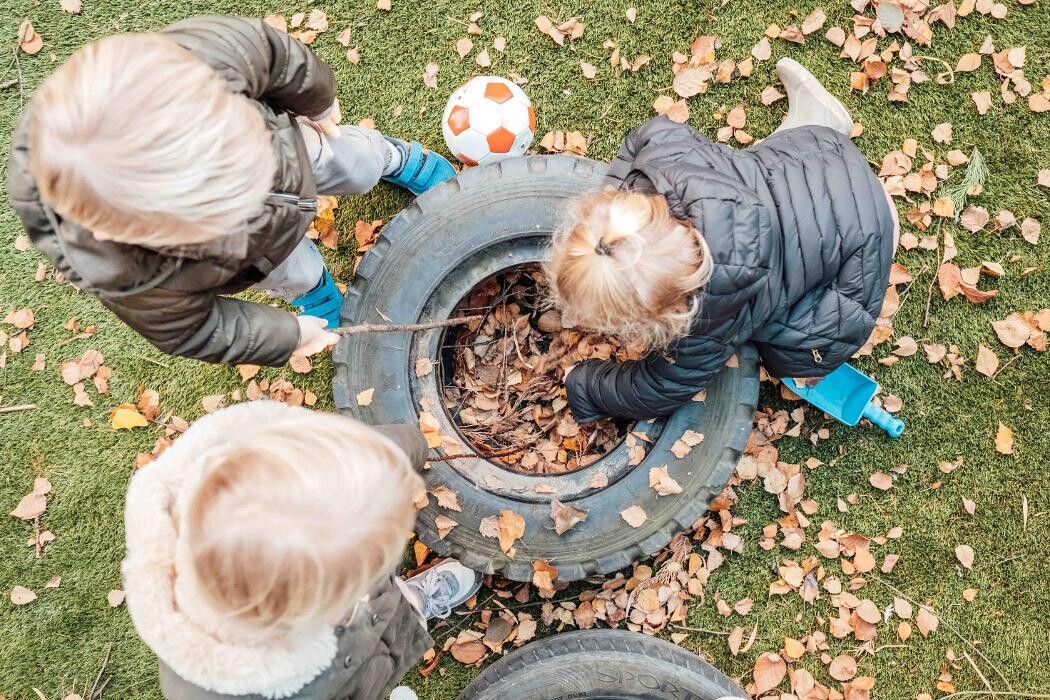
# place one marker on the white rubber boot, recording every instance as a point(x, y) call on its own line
point(809, 102)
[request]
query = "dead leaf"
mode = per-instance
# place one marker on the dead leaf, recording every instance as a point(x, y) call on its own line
point(126, 416)
point(430, 80)
point(424, 366)
point(20, 595)
point(968, 63)
point(736, 638)
point(973, 219)
point(882, 482)
point(1004, 440)
point(843, 667)
point(926, 621)
point(983, 100)
point(444, 525)
point(762, 50)
point(662, 483)
point(813, 21)
point(691, 81)
point(364, 398)
point(447, 498)
point(213, 402)
point(115, 598)
point(632, 14)
point(464, 46)
point(1013, 332)
point(483, 59)
point(987, 361)
point(890, 16)
point(634, 516)
point(965, 554)
point(53, 582)
point(589, 71)
point(317, 20)
point(769, 671)
point(770, 95)
point(942, 133)
point(565, 516)
point(469, 653)
point(383, 5)
point(28, 39)
point(31, 505)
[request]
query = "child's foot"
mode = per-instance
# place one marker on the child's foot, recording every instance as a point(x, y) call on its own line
point(323, 301)
point(420, 169)
point(443, 587)
point(809, 102)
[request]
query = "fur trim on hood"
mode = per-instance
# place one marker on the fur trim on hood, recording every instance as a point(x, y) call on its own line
point(169, 617)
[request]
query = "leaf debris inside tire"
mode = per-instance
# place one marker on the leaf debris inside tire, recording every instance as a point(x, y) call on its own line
point(506, 391)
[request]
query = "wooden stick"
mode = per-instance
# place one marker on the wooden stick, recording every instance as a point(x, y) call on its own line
point(19, 407)
point(467, 455)
point(95, 690)
point(409, 327)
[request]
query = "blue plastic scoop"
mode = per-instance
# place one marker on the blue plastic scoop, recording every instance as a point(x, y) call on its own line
point(846, 395)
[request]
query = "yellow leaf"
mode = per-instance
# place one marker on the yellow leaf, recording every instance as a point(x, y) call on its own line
point(944, 207)
point(126, 416)
point(1004, 440)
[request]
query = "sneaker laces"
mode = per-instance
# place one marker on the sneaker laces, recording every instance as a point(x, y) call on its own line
point(436, 591)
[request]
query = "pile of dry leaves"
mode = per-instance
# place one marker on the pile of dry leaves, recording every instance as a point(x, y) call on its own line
point(506, 392)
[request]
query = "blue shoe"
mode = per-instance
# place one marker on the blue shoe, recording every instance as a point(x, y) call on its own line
point(421, 169)
point(323, 301)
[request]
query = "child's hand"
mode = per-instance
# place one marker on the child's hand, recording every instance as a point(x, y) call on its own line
point(313, 338)
point(329, 126)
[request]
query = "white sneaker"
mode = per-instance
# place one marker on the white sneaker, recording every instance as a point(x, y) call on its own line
point(809, 102)
point(443, 587)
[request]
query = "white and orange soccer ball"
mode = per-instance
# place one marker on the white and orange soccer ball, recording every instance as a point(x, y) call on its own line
point(488, 119)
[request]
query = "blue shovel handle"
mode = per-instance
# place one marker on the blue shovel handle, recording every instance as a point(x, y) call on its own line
point(881, 418)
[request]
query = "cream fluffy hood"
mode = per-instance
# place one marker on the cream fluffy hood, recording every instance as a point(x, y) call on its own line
point(166, 612)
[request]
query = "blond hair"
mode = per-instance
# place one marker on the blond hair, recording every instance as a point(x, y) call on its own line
point(140, 142)
point(623, 265)
point(289, 526)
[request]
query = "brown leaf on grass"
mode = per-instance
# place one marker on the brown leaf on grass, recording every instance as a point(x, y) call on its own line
point(843, 667)
point(444, 525)
point(31, 505)
point(213, 402)
point(935, 352)
point(987, 361)
point(430, 80)
point(965, 554)
point(632, 14)
point(588, 69)
point(881, 481)
point(769, 671)
point(794, 648)
point(736, 638)
point(813, 21)
point(126, 417)
point(300, 364)
point(115, 597)
point(983, 100)
point(737, 117)
point(276, 21)
point(365, 233)
point(1030, 230)
point(483, 59)
point(1004, 440)
point(447, 498)
point(566, 517)
point(497, 633)
point(691, 81)
point(20, 595)
point(28, 40)
point(317, 20)
point(546, 26)
point(968, 63)
point(463, 47)
point(634, 516)
point(949, 279)
point(1043, 178)
point(661, 482)
point(762, 50)
point(792, 34)
point(383, 5)
point(1013, 332)
point(836, 35)
point(926, 621)
point(354, 56)
point(469, 653)
point(770, 95)
point(973, 219)
point(942, 133)
point(21, 318)
point(248, 371)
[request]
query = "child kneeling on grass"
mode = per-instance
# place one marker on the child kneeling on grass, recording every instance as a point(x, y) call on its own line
point(163, 171)
point(261, 548)
point(695, 248)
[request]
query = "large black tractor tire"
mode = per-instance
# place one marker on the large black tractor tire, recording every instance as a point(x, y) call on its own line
point(485, 220)
point(601, 665)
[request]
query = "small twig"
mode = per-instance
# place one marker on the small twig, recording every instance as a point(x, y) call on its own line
point(978, 671)
point(929, 291)
point(469, 455)
point(19, 407)
point(152, 361)
point(10, 83)
point(394, 327)
point(700, 629)
point(1003, 693)
point(101, 670)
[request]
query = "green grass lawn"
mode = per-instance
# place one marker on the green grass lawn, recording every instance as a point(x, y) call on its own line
point(57, 642)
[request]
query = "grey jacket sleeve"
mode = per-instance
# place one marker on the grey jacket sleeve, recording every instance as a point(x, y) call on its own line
point(208, 327)
point(259, 62)
point(409, 439)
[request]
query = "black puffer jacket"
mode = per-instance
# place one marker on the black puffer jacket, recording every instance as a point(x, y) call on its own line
point(801, 236)
point(176, 299)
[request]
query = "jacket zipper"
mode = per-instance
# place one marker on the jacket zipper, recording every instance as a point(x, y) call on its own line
point(308, 204)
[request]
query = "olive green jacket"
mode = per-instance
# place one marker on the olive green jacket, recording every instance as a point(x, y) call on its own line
point(176, 298)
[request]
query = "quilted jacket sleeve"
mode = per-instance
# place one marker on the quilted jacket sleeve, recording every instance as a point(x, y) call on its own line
point(208, 327)
point(259, 62)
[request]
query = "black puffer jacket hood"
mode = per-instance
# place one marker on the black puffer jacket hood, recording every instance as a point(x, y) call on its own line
point(801, 237)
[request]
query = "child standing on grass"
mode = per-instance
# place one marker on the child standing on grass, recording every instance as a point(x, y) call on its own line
point(694, 249)
point(161, 172)
point(253, 571)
